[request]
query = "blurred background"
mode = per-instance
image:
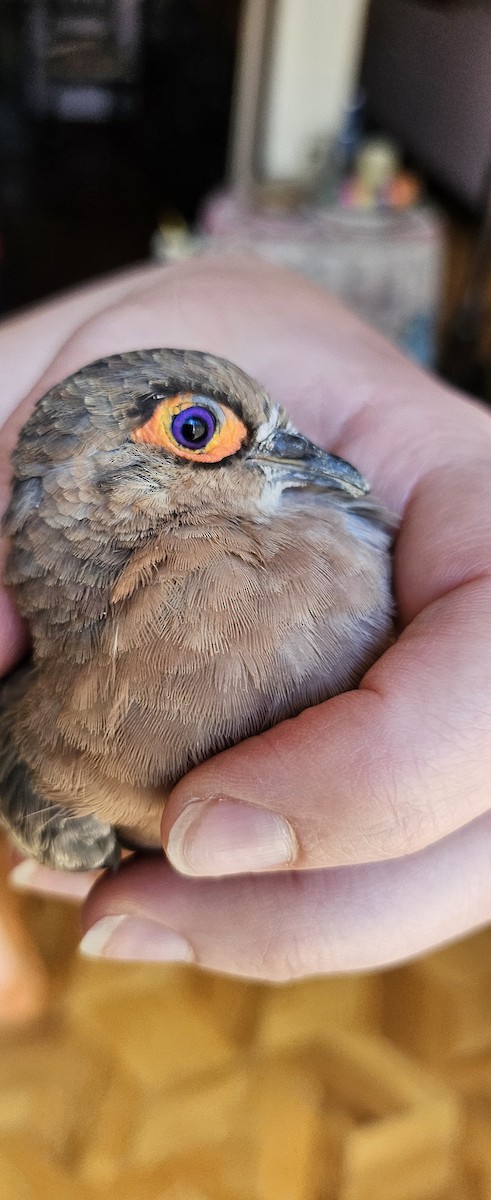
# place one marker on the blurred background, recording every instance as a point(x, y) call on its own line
point(350, 140)
point(318, 134)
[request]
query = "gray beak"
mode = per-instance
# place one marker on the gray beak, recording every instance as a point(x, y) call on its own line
point(305, 464)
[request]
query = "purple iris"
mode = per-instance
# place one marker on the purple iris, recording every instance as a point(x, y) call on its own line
point(194, 427)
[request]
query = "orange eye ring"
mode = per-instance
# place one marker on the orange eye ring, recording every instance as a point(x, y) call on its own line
point(227, 433)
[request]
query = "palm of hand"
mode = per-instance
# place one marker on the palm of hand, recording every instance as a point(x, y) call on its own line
point(387, 783)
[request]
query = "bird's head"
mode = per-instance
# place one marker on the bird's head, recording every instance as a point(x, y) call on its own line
point(140, 438)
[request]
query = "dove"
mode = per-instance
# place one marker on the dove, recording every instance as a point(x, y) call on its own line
point(193, 571)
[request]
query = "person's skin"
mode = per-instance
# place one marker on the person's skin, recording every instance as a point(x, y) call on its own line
point(375, 805)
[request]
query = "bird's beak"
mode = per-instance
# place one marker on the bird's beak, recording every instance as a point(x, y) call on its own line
point(305, 464)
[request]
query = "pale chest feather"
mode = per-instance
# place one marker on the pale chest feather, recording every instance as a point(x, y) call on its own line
point(214, 635)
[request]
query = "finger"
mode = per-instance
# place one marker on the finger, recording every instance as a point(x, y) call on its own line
point(24, 984)
point(29, 876)
point(290, 926)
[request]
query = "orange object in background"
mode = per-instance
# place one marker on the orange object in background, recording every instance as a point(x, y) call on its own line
point(24, 984)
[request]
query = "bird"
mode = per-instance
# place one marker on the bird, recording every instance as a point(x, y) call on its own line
point(194, 570)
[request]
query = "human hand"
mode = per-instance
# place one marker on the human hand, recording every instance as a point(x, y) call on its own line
point(363, 824)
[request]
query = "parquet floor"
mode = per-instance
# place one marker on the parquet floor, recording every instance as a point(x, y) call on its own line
point(161, 1083)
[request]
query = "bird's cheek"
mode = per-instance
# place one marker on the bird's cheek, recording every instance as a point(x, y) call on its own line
point(275, 491)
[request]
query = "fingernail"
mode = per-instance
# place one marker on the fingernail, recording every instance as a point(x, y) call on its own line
point(135, 939)
point(29, 876)
point(227, 837)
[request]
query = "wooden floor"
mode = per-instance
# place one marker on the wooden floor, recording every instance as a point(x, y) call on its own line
point(161, 1083)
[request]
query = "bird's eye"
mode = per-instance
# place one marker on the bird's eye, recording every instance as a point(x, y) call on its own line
point(193, 427)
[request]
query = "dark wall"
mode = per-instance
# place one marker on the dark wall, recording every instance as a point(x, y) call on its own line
point(188, 63)
point(79, 198)
point(427, 72)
